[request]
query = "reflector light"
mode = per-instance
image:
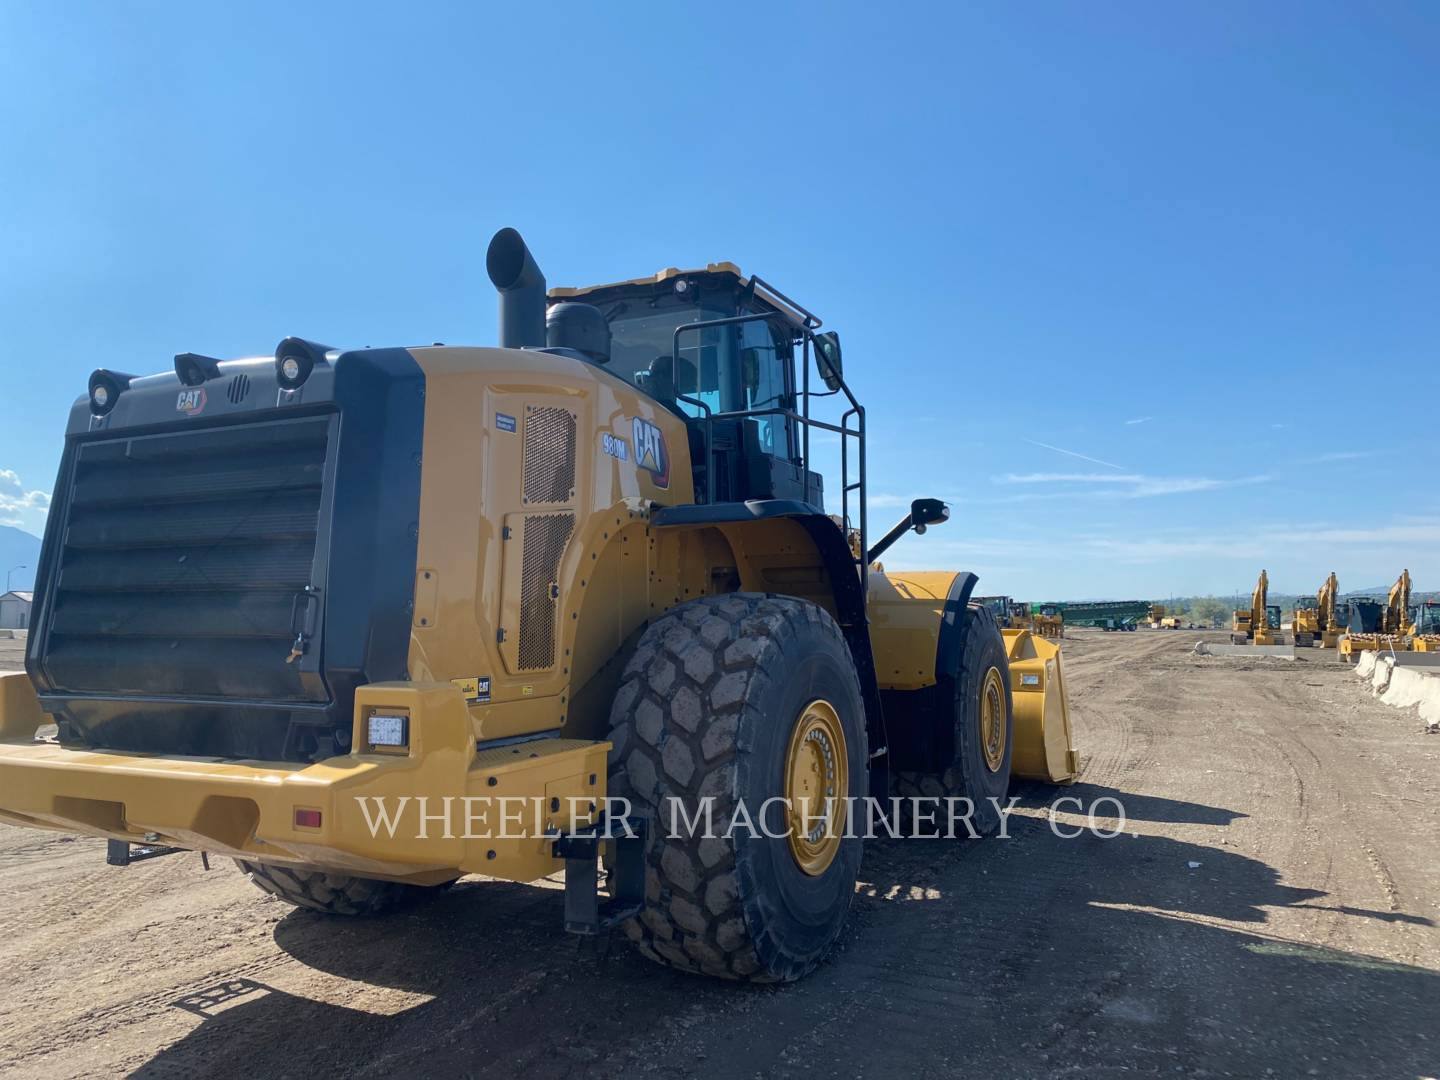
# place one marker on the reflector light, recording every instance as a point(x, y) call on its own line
point(388, 730)
point(307, 819)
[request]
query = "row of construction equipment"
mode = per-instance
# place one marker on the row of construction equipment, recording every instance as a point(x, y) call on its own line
point(1352, 625)
point(1042, 620)
point(1049, 619)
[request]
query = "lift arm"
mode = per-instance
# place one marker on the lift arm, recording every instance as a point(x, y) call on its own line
point(1397, 606)
point(1325, 601)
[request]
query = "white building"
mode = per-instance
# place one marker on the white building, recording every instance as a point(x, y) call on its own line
point(15, 610)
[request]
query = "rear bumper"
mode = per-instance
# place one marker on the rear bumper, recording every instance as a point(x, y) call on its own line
point(423, 816)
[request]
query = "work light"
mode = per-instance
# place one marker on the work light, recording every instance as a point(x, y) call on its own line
point(105, 388)
point(388, 731)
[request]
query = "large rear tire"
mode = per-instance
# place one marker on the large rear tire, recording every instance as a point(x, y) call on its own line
point(983, 714)
point(741, 699)
point(334, 894)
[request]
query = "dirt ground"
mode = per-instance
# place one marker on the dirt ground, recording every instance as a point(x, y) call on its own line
point(1269, 909)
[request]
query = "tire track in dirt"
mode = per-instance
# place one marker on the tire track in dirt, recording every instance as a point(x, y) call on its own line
point(1337, 779)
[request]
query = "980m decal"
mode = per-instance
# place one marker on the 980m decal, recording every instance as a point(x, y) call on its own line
point(615, 446)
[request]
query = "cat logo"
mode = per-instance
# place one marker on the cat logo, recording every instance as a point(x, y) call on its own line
point(650, 452)
point(190, 402)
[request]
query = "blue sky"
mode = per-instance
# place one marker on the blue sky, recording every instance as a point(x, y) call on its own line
point(1148, 292)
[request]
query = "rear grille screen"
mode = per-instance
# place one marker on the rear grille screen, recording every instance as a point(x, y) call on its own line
point(182, 560)
point(546, 536)
point(549, 454)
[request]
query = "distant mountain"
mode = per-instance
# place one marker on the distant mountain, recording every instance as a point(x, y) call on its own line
point(18, 548)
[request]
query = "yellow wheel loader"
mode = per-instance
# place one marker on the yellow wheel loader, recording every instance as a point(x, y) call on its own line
point(368, 620)
point(1049, 622)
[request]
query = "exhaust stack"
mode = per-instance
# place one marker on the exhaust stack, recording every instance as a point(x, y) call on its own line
point(522, 291)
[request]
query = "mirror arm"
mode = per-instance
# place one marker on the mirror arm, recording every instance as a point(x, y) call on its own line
point(927, 511)
point(900, 529)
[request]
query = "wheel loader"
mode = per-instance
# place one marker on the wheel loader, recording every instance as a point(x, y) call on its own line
point(368, 620)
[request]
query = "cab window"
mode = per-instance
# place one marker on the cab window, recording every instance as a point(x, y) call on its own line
point(729, 368)
point(764, 379)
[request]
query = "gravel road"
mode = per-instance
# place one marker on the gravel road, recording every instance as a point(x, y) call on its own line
point(1270, 907)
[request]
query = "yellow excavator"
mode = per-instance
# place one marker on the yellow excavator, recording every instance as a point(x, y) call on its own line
point(1318, 623)
point(1254, 626)
point(1375, 627)
point(368, 620)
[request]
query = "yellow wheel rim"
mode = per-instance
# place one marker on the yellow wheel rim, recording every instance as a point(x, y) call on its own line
point(817, 783)
point(992, 719)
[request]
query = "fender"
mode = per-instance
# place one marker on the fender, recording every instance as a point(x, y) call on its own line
point(840, 568)
point(919, 628)
point(953, 624)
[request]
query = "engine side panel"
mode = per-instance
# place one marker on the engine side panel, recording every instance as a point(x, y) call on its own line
point(539, 471)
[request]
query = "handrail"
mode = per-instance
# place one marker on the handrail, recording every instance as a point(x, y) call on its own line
point(803, 418)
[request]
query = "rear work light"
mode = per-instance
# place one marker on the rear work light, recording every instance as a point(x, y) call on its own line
point(388, 731)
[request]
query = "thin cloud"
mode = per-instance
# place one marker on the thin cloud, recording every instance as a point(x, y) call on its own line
point(1076, 454)
point(1141, 420)
point(885, 499)
point(1335, 455)
point(1121, 485)
point(15, 500)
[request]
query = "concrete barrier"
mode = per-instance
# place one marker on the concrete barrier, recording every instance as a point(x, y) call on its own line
point(1413, 686)
point(1402, 682)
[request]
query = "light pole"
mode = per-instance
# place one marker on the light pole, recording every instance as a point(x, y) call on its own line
point(10, 572)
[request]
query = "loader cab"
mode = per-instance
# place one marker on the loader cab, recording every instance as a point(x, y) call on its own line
point(734, 383)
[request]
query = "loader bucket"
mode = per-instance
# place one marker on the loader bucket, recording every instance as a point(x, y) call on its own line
point(1044, 743)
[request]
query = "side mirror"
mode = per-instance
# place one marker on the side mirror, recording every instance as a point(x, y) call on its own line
point(923, 513)
point(927, 512)
point(827, 358)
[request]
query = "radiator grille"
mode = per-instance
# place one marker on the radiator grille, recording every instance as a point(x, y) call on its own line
point(182, 558)
point(549, 454)
point(545, 538)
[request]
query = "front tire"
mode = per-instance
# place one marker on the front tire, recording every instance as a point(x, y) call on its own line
point(980, 705)
point(742, 699)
